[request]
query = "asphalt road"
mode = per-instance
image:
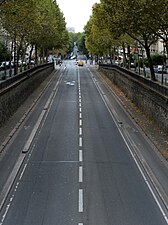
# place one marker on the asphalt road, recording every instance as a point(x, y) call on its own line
point(84, 161)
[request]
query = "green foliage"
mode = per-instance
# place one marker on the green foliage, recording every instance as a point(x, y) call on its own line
point(158, 59)
point(79, 38)
point(32, 22)
point(98, 37)
point(103, 36)
point(4, 54)
point(114, 21)
point(81, 43)
point(72, 38)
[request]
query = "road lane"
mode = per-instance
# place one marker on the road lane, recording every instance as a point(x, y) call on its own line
point(47, 191)
point(79, 169)
point(116, 192)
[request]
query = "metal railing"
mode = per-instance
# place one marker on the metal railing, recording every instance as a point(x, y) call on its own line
point(25, 74)
point(156, 86)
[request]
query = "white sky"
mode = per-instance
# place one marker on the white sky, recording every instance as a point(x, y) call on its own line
point(76, 12)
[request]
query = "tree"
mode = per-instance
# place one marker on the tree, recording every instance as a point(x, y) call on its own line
point(73, 37)
point(134, 18)
point(160, 18)
point(102, 38)
point(81, 43)
point(97, 36)
point(4, 54)
point(36, 23)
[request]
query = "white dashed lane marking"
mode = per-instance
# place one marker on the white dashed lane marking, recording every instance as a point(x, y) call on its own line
point(80, 174)
point(80, 156)
point(80, 122)
point(80, 200)
point(80, 131)
point(80, 141)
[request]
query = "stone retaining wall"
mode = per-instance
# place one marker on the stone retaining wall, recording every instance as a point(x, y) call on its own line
point(13, 95)
point(149, 96)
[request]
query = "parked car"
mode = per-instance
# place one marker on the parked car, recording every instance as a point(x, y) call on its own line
point(32, 62)
point(2, 66)
point(160, 69)
point(20, 63)
point(73, 57)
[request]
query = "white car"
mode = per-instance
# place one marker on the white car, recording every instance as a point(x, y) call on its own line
point(2, 65)
point(161, 68)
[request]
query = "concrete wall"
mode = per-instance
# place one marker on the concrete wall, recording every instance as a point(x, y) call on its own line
point(15, 91)
point(149, 96)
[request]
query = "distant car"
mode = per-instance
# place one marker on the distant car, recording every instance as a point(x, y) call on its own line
point(21, 63)
point(58, 61)
point(73, 57)
point(155, 69)
point(80, 63)
point(160, 69)
point(2, 66)
point(132, 65)
point(31, 62)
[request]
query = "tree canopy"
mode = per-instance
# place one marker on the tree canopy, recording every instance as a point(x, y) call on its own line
point(29, 22)
point(117, 22)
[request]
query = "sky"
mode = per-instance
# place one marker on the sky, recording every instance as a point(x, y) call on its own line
point(76, 12)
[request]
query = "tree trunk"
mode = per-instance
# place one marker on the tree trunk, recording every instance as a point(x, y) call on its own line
point(30, 56)
point(147, 48)
point(36, 56)
point(129, 60)
point(124, 54)
point(10, 68)
point(111, 55)
point(166, 46)
point(46, 55)
point(114, 51)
